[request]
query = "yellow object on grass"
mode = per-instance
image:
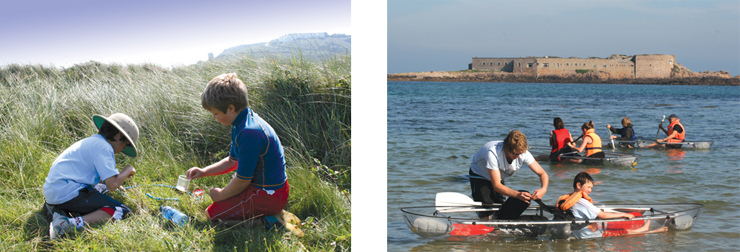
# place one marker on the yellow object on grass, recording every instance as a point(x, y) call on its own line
point(290, 222)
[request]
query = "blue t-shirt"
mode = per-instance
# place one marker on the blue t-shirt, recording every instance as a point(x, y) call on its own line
point(257, 149)
point(86, 162)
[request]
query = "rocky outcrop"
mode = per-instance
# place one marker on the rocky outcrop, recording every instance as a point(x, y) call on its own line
point(679, 71)
point(679, 76)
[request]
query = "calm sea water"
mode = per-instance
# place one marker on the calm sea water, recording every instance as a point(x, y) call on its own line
point(435, 128)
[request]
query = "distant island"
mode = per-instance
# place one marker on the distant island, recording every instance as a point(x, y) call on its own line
point(316, 46)
point(616, 69)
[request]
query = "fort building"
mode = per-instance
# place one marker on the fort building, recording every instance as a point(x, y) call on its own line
point(617, 66)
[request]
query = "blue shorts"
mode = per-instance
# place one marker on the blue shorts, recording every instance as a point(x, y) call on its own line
point(89, 200)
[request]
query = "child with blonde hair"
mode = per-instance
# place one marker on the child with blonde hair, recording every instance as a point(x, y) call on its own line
point(260, 186)
point(591, 144)
point(496, 161)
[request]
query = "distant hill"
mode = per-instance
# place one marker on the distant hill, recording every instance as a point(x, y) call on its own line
point(312, 45)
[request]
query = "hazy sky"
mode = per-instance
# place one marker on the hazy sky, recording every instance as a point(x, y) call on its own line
point(435, 35)
point(182, 32)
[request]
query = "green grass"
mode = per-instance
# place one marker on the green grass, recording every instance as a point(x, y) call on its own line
point(583, 70)
point(43, 110)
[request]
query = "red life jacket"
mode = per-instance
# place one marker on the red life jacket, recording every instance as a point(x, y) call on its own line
point(562, 138)
point(680, 136)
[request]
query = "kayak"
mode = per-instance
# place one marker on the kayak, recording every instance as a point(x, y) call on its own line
point(613, 158)
point(682, 145)
point(620, 144)
point(461, 222)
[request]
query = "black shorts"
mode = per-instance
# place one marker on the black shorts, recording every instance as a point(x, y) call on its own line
point(482, 191)
point(89, 200)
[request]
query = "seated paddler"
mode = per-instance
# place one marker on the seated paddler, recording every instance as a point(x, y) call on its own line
point(626, 133)
point(579, 205)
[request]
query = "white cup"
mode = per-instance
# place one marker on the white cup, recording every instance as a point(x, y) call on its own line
point(182, 183)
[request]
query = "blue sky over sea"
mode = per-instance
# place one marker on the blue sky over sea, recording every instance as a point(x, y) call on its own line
point(439, 35)
point(167, 33)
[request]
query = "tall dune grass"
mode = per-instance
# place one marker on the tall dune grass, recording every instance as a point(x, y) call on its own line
point(43, 110)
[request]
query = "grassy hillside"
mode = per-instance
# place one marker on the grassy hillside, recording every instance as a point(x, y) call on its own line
point(44, 110)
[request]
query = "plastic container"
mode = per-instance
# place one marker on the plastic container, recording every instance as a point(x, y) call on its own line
point(182, 183)
point(174, 215)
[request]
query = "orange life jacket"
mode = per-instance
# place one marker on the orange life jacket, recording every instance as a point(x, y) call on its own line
point(561, 137)
point(595, 145)
point(680, 136)
point(567, 201)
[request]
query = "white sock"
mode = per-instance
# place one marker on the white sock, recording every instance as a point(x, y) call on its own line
point(77, 222)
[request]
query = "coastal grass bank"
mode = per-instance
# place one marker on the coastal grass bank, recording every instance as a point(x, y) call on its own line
point(43, 110)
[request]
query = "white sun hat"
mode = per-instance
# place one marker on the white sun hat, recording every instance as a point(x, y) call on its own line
point(125, 125)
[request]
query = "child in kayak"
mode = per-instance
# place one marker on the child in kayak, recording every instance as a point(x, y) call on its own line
point(559, 139)
point(581, 206)
point(626, 133)
point(676, 134)
point(592, 145)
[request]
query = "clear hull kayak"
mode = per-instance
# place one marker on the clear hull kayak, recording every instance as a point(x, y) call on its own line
point(643, 143)
point(613, 158)
point(682, 145)
point(462, 223)
point(610, 158)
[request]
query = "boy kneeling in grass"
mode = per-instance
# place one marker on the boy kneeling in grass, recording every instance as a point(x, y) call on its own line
point(69, 184)
point(260, 187)
point(582, 207)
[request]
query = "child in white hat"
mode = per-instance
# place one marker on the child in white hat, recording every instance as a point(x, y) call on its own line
point(69, 184)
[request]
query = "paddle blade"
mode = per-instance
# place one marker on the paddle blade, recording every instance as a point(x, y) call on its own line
point(469, 229)
point(454, 199)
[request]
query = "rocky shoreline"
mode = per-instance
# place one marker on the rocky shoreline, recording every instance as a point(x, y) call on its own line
point(719, 78)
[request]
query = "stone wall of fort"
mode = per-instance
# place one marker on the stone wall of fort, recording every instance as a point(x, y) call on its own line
point(654, 66)
point(616, 66)
point(504, 64)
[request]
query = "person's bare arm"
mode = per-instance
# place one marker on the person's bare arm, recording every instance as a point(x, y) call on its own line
point(505, 190)
point(586, 141)
point(608, 215)
point(235, 186)
point(671, 136)
point(220, 167)
point(115, 181)
point(544, 180)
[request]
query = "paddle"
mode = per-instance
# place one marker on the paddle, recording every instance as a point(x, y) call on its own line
point(661, 124)
point(453, 199)
point(549, 209)
point(578, 138)
point(614, 147)
point(574, 142)
point(458, 199)
point(568, 153)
